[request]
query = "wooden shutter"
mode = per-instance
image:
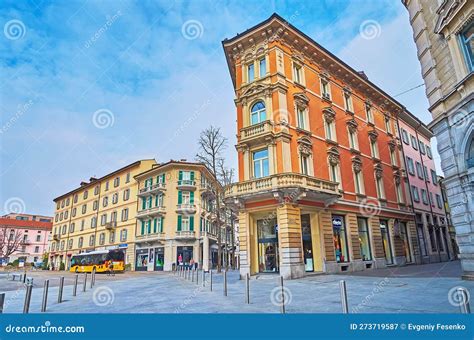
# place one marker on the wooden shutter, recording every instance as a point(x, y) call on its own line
point(154, 225)
point(143, 227)
point(179, 222)
point(191, 197)
point(191, 223)
point(180, 197)
point(162, 220)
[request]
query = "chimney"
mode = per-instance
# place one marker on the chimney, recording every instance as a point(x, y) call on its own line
point(183, 160)
point(83, 183)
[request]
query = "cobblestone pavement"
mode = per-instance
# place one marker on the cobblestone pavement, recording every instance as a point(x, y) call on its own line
point(419, 289)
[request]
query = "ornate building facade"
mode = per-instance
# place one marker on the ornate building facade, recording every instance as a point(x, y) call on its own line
point(321, 172)
point(444, 35)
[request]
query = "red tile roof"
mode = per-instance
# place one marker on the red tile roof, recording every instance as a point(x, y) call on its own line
point(10, 222)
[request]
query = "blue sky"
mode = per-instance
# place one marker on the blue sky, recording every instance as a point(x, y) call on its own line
point(154, 74)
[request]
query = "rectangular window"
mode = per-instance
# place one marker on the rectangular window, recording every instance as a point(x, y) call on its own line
point(340, 239)
point(388, 126)
point(325, 93)
point(416, 193)
point(432, 202)
point(297, 73)
point(405, 137)
point(467, 43)
point(374, 148)
point(426, 173)
point(380, 187)
point(263, 67)
point(334, 172)
point(116, 182)
point(348, 102)
point(411, 166)
point(370, 116)
point(330, 128)
point(304, 165)
point(419, 170)
point(261, 164)
point(353, 142)
point(387, 244)
point(439, 202)
point(428, 152)
point(434, 177)
point(414, 142)
point(358, 182)
point(364, 239)
point(424, 196)
point(393, 158)
point(422, 147)
point(398, 189)
point(301, 118)
point(250, 73)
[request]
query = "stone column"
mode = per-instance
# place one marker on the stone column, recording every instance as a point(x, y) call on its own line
point(290, 242)
point(205, 252)
point(244, 243)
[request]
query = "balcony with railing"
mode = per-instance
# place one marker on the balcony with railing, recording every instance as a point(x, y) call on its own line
point(256, 132)
point(152, 189)
point(185, 234)
point(150, 237)
point(289, 184)
point(206, 189)
point(186, 184)
point(151, 212)
point(186, 208)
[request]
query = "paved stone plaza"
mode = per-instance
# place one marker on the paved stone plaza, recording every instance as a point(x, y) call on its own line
point(411, 289)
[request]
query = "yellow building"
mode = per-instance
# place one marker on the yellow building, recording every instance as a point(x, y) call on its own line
point(99, 214)
point(175, 217)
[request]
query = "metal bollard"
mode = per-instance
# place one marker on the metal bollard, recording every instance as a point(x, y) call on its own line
point(282, 306)
point(225, 282)
point(247, 288)
point(92, 280)
point(74, 289)
point(61, 287)
point(45, 296)
point(2, 302)
point(210, 272)
point(24, 278)
point(192, 275)
point(464, 306)
point(203, 278)
point(345, 308)
point(197, 276)
point(84, 286)
point(26, 306)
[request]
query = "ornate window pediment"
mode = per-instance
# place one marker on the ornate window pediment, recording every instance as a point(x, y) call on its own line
point(333, 155)
point(373, 134)
point(378, 170)
point(324, 75)
point(301, 100)
point(397, 177)
point(352, 125)
point(392, 144)
point(329, 114)
point(356, 164)
point(257, 89)
point(305, 145)
point(347, 90)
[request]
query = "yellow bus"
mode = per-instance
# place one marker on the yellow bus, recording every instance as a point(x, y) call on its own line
point(98, 261)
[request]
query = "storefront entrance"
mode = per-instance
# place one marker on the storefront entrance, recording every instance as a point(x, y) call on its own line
point(307, 243)
point(184, 255)
point(387, 245)
point(268, 260)
point(159, 258)
point(141, 257)
point(406, 241)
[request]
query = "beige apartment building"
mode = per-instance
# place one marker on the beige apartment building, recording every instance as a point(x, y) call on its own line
point(176, 217)
point(99, 214)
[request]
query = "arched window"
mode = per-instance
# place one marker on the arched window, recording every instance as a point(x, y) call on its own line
point(258, 113)
point(470, 154)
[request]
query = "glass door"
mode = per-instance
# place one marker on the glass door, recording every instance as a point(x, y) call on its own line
point(159, 258)
point(387, 246)
point(406, 241)
point(267, 231)
point(307, 242)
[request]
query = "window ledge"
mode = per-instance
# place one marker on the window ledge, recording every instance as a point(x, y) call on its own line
point(370, 124)
point(326, 99)
point(376, 159)
point(355, 151)
point(330, 141)
point(301, 86)
point(303, 131)
point(349, 112)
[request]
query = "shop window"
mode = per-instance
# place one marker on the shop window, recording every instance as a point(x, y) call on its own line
point(340, 239)
point(387, 245)
point(364, 239)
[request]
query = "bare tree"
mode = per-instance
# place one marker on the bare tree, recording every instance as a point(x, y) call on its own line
point(227, 177)
point(212, 144)
point(10, 241)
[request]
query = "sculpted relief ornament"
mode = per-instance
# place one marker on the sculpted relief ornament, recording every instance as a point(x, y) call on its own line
point(356, 164)
point(333, 156)
point(329, 114)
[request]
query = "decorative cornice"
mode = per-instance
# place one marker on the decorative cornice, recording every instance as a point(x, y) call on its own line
point(356, 164)
point(301, 99)
point(352, 125)
point(373, 134)
point(329, 114)
point(333, 155)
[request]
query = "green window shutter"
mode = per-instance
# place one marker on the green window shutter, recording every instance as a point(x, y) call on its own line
point(201, 224)
point(163, 178)
point(180, 197)
point(179, 222)
point(143, 227)
point(150, 201)
point(149, 226)
point(151, 181)
point(180, 176)
point(191, 197)
point(162, 221)
point(191, 223)
point(192, 175)
point(143, 203)
point(154, 225)
point(156, 200)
